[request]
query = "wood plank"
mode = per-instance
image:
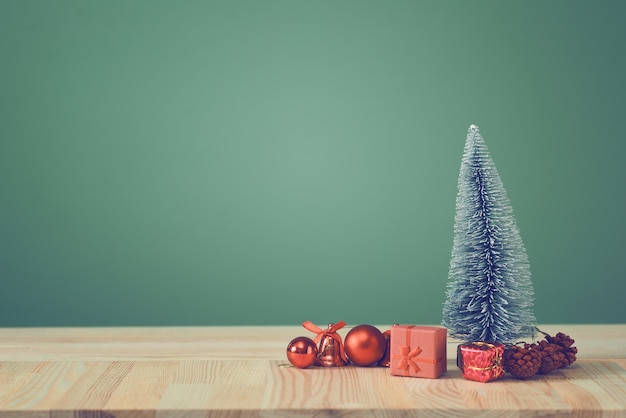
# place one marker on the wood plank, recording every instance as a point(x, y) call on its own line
point(92, 390)
point(320, 389)
point(194, 396)
point(140, 390)
point(165, 388)
point(144, 379)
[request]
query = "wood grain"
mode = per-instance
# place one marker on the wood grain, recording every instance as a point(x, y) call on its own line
point(241, 371)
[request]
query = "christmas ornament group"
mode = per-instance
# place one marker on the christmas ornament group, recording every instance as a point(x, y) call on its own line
point(407, 350)
point(364, 345)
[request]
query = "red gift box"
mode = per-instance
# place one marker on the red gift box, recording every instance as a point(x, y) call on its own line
point(481, 361)
point(418, 351)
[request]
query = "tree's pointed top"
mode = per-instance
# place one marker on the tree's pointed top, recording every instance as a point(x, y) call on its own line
point(474, 140)
point(473, 132)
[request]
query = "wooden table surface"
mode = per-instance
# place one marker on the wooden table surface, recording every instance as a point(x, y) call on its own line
point(240, 371)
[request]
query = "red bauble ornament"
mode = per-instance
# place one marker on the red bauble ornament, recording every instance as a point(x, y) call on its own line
point(365, 345)
point(302, 352)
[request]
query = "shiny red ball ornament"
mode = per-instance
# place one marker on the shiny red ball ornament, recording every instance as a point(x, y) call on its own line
point(365, 345)
point(302, 352)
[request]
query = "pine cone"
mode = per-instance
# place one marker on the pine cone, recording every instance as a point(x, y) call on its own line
point(521, 362)
point(565, 342)
point(552, 356)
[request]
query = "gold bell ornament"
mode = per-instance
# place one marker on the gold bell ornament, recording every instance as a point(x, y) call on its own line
point(330, 352)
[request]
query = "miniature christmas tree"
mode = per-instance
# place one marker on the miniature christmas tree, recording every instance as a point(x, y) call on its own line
point(490, 294)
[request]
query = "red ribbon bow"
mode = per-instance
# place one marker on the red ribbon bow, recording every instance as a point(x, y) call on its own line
point(406, 359)
point(331, 331)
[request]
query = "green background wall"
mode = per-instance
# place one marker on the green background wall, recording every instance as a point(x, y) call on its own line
point(268, 162)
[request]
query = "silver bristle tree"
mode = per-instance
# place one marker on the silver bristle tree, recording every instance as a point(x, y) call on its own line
point(490, 294)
